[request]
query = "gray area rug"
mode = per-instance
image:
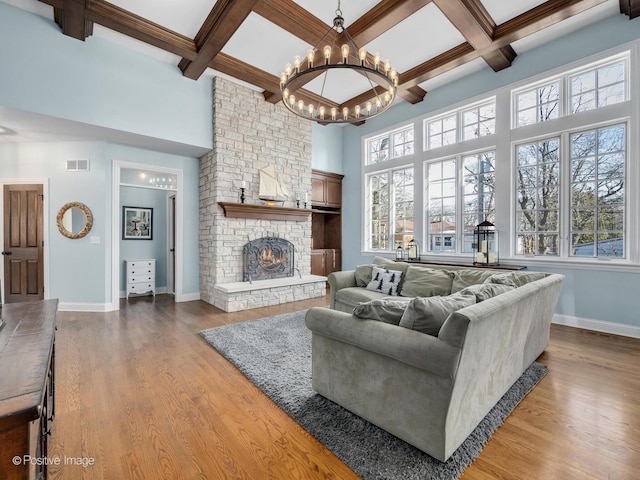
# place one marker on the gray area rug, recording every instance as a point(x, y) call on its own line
point(275, 354)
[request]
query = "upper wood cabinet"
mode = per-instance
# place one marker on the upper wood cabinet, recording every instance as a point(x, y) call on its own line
point(326, 189)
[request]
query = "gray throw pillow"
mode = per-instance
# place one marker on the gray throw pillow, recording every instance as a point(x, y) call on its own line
point(426, 282)
point(383, 310)
point(502, 279)
point(385, 281)
point(516, 279)
point(484, 291)
point(363, 275)
point(464, 278)
point(427, 315)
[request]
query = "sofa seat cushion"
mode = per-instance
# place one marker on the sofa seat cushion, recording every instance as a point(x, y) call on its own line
point(351, 297)
point(427, 315)
point(426, 282)
point(383, 310)
point(385, 281)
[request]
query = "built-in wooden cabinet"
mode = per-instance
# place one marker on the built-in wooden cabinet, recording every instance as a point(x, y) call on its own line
point(326, 222)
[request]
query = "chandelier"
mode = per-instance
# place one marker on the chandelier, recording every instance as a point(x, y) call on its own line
point(382, 79)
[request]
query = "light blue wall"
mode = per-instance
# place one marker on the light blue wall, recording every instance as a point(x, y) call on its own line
point(80, 272)
point(98, 83)
point(326, 148)
point(133, 249)
point(592, 294)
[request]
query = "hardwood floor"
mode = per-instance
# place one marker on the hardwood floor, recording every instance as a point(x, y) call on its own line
point(141, 395)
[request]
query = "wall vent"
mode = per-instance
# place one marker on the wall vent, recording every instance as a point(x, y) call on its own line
point(77, 165)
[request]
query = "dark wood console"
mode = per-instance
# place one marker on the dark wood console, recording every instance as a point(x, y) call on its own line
point(27, 388)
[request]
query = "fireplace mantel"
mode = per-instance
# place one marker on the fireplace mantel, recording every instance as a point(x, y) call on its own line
point(249, 210)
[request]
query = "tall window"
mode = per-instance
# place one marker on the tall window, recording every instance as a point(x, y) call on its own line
point(390, 218)
point(478, 180)
point(538, 197)
point(441, 204)
point(597, 192)
point(477, 120)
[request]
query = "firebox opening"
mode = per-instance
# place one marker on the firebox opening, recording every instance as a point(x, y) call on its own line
point(267, 258)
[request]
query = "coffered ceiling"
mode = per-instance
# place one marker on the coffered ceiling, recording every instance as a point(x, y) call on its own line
point(429, 42)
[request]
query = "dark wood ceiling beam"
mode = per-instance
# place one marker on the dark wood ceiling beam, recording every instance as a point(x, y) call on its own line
point(536, 19)
point(223, 21)
point(71, 16)
point(384, 16)
point(291, 17)
point(475, 24)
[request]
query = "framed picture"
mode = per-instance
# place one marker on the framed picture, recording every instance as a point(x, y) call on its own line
point(137, 223)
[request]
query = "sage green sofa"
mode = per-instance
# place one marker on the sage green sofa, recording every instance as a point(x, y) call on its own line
point(430, 390)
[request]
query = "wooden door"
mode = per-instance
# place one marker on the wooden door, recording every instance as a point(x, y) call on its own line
point(23, 243)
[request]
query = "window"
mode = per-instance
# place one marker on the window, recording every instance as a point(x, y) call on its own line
point(598, 87)
point(537, 105)
point(557, 189)
point(398, 143)
point(441, 205)
point(537, 197)
point(477, 120)
point(478, 182)
point(441, 132)
point(597, 192)
point(390, 217)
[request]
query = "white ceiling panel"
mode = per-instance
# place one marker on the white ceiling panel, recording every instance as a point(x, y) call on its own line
point(423, 35)
point(184, 17)
point(260, 43)
point(503, 10)
point(325, 10)
point(339, 85)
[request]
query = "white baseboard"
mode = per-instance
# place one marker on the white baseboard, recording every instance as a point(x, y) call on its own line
point(84, 307)
point(597, 325)
point(189, 297)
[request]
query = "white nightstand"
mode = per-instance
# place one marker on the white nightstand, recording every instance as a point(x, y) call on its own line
point(141, 276)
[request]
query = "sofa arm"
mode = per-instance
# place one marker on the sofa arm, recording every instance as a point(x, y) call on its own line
point(339, 280)
point(407, 346)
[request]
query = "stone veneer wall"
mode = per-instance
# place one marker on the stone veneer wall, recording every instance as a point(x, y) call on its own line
point(249, 133)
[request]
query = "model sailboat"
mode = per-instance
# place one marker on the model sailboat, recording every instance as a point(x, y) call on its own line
point(272, 189)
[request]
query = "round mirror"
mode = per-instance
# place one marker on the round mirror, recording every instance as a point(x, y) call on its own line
point(74, 220)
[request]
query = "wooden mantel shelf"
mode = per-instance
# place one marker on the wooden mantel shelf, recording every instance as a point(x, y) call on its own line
point(266, 212)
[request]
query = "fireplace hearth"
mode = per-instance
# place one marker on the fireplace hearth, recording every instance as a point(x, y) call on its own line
point(267, 258)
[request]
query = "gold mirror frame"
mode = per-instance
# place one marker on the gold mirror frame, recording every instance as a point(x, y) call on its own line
point(87, 226)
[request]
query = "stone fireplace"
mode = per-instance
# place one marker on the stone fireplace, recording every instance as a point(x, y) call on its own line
point(249, 134)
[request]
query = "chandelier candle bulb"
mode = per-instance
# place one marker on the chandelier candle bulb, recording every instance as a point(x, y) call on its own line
point(345, 53)
point(334, 113)
point(310, 56)
point(287, 70)
point(296, 63)
point(311, 109)
point(376, 61)
point(327, 54)
point(345, 113)
point(357, 111)
point(362, 53)
point(321, 110)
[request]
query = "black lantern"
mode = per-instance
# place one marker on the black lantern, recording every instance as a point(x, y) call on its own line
point(414, 249)
point(485, 244)
point(399, 252)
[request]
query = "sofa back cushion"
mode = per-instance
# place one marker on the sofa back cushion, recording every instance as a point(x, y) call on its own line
point(466, 278)
point(516, 279)
point(427, 315)
point(426, 282)
point(363, 275)
point(484, 291)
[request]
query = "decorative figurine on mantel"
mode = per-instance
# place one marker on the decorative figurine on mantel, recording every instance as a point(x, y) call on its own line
point(242, 189)
point(272, 189)
point(485, 245)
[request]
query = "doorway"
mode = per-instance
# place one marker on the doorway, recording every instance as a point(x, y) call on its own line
point(121, 169)
point(23, 243)
point(171, 244)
